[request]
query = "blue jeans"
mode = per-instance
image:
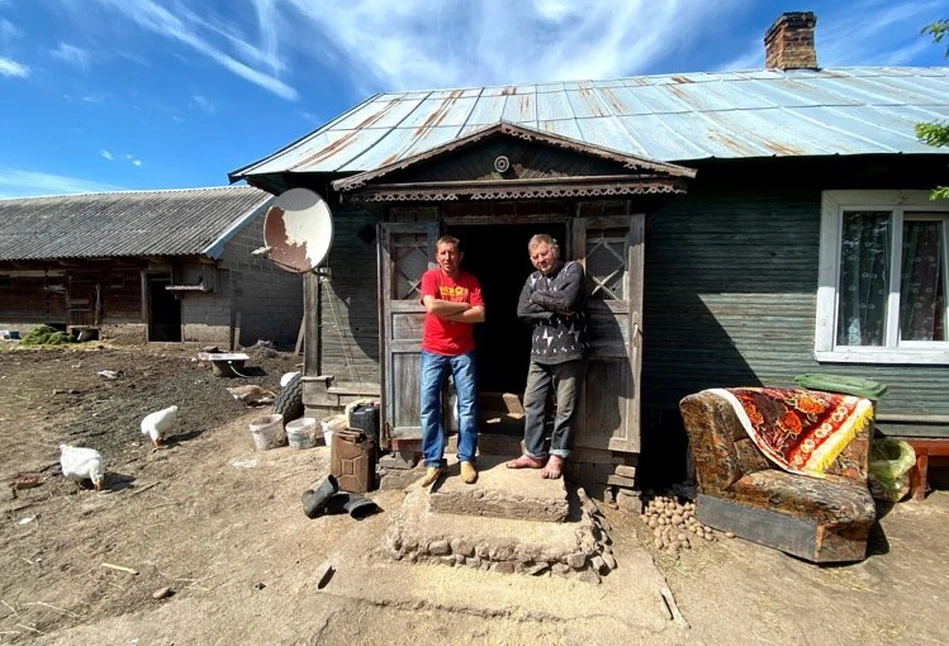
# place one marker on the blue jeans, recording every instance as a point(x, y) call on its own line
point(564, 378)
point(434, 370)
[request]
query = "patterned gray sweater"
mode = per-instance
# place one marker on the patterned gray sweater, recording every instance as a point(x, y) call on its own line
point(555, 306)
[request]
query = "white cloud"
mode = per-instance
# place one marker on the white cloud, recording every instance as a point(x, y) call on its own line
point(92, 98)
point(106, 155)
point(136, 162)
point(411, 45)
point(15, 182)
point(72, 55)
point(204, 104)
point(132, 158)
point(10, 67)
point(186, 27)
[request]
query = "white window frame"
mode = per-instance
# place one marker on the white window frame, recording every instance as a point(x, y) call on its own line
point(833, 205)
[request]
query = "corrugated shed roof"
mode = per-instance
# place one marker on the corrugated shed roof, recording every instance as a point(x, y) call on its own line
point(135, 223)
point(674, 118)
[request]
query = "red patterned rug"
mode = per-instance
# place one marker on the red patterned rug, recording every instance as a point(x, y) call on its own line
point(802, 431)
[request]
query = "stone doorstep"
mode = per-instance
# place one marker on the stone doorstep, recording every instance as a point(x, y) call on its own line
point(516, 494)
point(419, 534)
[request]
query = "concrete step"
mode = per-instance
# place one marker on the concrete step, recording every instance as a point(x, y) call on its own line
point(421, 533)
point(517, 494)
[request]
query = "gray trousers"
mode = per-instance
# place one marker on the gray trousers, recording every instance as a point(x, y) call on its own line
point(565, 379)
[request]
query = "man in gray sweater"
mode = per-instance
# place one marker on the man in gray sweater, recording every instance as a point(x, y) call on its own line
point(553, 303)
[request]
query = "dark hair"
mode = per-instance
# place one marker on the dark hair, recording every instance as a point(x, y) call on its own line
point(452, 240)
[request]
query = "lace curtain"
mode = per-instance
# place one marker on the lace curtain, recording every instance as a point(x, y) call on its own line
point(922, 283)
point(864, 278)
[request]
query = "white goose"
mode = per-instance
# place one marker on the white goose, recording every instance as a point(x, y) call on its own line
point(79, 463)
point(157, 425)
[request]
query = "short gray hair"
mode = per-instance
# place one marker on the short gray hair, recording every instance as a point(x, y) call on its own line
point(543, 238)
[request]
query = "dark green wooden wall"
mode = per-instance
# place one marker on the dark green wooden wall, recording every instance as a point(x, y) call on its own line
point(348, 313)
point(730, 296)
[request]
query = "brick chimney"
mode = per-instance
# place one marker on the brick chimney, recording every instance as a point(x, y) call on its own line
point(789, 42)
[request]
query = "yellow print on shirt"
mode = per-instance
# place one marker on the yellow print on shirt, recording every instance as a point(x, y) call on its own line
point(446, 292)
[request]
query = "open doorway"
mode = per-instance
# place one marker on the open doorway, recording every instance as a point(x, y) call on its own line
point(497, 256)
point(164, 311)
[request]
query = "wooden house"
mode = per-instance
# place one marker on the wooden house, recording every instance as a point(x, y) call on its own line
point(737, 228)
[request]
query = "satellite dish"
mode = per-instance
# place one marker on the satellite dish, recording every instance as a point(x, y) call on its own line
point(298, 230)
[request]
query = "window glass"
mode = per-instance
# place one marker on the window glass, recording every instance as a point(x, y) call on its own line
point(864, 278)
point(922, 281)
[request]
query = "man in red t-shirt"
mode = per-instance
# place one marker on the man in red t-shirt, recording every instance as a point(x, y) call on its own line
point(453, 304)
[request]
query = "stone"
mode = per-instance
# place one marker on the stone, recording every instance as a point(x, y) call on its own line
point(587, 576)
point(620, 481)
point(625, 471)
point(609, 560)
point(538, 569)
point(504, 567)
point(462, 547)
point(161, 593)
point(483, 551)
point(399, 460)
point(439, 547)
point(473, 562)
point(599, 565)
point(447, 560)
point(576, 560)
point(560, 568)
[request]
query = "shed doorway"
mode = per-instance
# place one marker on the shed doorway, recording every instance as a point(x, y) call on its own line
point(164, 311)
point(497, 256)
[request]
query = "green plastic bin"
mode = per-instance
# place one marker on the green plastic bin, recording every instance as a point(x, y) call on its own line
point(872, 390)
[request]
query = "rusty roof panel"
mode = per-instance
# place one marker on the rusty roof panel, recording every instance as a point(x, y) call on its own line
point(586, 102)
point(446, 111)
point(522, 109)
point(669, 117)
point(660, 139)
point(382, 113)
point(553, 106)
point(401, 143)
point(487, 111)
point(563, 127)
point(610, 134)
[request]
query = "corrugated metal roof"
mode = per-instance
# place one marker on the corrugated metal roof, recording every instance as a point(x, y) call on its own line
point(134, 223)
point(674, 118)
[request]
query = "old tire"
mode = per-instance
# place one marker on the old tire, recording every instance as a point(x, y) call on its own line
point(289, 402)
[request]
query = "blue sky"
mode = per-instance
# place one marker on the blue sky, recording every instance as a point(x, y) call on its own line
point(134, 94)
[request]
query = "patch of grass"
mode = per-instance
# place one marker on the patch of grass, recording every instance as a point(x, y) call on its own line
point(45, 335)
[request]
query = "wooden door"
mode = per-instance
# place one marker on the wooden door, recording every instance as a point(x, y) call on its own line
point(406, 251)
point(611, 251)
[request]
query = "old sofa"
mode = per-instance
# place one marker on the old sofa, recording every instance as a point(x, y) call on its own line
point(818, 519)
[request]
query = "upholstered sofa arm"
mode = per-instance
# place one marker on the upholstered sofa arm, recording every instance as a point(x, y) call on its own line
point(712, 427)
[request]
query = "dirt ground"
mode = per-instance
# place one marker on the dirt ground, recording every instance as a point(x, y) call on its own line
point(221, 526)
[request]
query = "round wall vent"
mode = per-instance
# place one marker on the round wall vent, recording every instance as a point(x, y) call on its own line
point(502, 164)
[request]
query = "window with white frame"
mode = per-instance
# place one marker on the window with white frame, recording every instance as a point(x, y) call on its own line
point(882, 288)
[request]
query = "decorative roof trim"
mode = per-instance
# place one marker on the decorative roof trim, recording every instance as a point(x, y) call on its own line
point(518, 190)
point(630, 162)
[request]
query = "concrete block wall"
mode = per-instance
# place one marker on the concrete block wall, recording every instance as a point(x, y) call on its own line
point(270, 300)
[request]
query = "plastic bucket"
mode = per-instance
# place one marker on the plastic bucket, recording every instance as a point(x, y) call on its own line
point(302, 433)
point(268, 432)
point(329, 426)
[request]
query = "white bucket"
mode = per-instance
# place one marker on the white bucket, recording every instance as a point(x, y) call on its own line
point(329, 425)
point(268, 432)
point(301, 433)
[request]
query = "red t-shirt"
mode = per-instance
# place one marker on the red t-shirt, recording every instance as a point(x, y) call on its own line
point(443, 337)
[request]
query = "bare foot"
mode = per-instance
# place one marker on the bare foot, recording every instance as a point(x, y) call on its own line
point(524, 462)
point(553, 469)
